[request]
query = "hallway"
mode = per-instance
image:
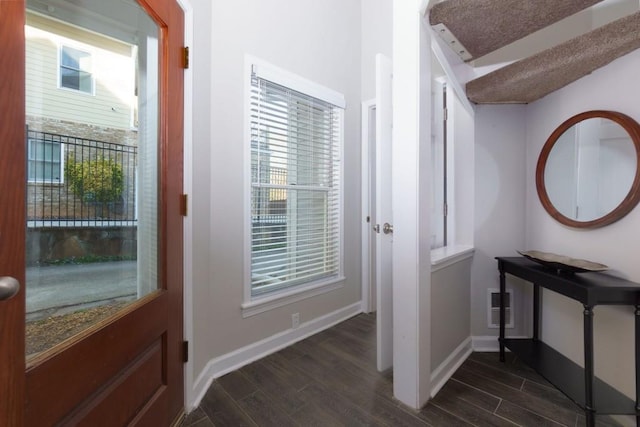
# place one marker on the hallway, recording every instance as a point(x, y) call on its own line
point(330, 379)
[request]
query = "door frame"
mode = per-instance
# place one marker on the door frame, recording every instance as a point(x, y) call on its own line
point(187, 183)
point(367, 215)
point(13, 383)
point(376, 296)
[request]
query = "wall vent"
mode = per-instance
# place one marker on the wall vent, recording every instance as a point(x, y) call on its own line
point(493, 308)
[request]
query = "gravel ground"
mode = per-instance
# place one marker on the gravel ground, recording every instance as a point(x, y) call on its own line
point(45, 333)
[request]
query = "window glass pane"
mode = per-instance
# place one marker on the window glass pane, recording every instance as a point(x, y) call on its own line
point(295, 196)
point(94, 236)
point(69, 58)
point(36, 151)
point(47, 171)
point(75, 69)
point(438, 169)
point(32, 170)
point(84, 82)
point(69, 78)
point(76, 59)
point(44, 161)
point(84, 62)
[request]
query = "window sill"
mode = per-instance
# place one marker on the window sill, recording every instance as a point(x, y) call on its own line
point(449, 255)
point(289, 296)
point(44, 183)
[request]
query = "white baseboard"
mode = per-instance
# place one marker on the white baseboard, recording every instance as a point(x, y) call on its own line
point(488, 343)
point(485, 343)
point(625, 420)
point(447, 368)
point(243, 356)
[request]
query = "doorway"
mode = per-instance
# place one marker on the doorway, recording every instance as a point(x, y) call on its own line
point(376, 205)
point(93, 335)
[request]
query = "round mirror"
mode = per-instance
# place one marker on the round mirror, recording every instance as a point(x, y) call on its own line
point(587, 174)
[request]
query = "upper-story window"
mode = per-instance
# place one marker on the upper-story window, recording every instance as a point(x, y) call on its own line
point(75, 69)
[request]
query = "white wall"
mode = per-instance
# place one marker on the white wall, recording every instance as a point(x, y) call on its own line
point(500, 184)
point(613, 87)
point(377, 36)
point(450, 304)
point(462, 132)
point(200, 198)
point(411, 204)
point(319, 41)
point(451, 284)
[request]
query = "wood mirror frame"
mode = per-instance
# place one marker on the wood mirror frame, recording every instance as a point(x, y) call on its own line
point(628, 203)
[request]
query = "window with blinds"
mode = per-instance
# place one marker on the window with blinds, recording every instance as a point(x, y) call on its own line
point(295, 187)
point(45, 161)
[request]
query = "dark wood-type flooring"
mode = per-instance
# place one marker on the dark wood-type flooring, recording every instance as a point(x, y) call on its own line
point(330, 379)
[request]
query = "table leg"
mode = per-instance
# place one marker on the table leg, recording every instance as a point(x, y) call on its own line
point(502, 312)
point(588, 365)
point(637, 355)
point(536, 312)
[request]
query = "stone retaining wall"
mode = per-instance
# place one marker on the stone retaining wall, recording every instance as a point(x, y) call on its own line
point(52, 244)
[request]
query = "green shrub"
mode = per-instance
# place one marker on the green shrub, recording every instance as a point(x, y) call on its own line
point(98, 180)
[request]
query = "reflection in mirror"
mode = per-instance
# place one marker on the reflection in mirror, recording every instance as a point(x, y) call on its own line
point(590, 169)
point(587, 174)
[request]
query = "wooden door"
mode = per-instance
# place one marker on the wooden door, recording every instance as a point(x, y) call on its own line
point(125, 369)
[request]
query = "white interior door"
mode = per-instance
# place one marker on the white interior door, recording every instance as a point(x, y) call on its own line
point(383, 214)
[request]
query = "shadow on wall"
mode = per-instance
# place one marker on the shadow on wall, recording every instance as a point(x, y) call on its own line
point(488, 189)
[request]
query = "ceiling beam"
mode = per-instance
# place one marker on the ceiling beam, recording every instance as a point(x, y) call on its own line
point(536, 76)
point(483, 26)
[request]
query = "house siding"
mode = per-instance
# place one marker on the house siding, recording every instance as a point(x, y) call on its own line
point(113, 71)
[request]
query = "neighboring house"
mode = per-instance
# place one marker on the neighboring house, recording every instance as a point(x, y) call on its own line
point(81, 110)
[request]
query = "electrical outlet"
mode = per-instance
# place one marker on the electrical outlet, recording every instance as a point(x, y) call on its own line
point(295, 320)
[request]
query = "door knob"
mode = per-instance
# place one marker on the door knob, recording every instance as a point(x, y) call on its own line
point(387, 228)
point(8, 287)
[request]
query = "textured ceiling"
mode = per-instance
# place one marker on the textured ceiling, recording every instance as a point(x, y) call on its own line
point(483, 26)
point(538, 75)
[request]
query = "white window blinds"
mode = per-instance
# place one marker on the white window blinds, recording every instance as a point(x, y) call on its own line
point(295, 187)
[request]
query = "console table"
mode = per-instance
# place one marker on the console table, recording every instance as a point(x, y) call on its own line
point(590, 289)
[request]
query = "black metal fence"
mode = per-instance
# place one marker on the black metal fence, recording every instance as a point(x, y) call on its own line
point(74, 181)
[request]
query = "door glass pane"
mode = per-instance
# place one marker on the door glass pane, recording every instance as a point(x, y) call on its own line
point(92, 149)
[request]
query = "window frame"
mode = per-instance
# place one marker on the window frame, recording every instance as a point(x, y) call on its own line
point(258, 303)
point(61, 48)
point(37, 180)
point(459, 180)
point(443, 228)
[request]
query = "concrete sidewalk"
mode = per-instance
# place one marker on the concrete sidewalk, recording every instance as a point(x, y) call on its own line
point(54, 290)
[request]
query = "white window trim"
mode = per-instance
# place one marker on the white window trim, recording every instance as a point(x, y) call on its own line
point(289, 295)
point(62, 163)
point(132, 110)
point(448, 255)
point(458, 248)
point(59, 75)
point(438, 178)
point(297, 83)
point(253, 305)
